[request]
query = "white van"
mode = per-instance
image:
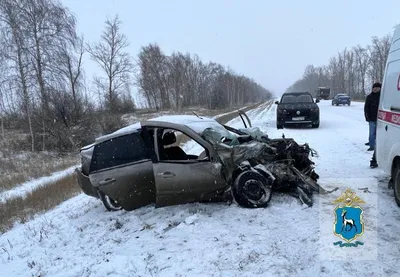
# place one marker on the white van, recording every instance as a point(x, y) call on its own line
point(388, 127)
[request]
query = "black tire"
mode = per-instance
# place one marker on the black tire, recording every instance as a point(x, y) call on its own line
point(332, 103)
point(252, 190)
point(109, 203)
point(396, 184)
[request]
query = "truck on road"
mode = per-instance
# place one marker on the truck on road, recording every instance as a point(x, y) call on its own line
point(323, 93)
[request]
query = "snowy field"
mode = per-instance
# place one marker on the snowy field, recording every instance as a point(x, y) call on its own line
point(79, 238)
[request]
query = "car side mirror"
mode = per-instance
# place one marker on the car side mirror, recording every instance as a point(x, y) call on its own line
point(317, 101)
point(276, 102)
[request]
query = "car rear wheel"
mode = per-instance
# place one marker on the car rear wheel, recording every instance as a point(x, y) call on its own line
point(252, 190)
point(396, 184)
point(109, 203)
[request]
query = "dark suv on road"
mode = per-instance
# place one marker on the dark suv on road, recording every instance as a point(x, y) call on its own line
point(297, 108)
point(341, 99)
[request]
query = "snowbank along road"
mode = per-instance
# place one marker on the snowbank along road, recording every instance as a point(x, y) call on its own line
point(79, 238)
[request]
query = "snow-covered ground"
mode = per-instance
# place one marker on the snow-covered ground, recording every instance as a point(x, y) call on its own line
point(79, 238)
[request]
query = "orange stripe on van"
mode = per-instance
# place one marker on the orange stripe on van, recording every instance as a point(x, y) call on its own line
point(390, 117)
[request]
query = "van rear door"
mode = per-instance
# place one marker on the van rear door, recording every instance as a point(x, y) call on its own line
point(388, 129)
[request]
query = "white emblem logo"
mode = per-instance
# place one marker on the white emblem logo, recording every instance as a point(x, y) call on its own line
point(298, 112)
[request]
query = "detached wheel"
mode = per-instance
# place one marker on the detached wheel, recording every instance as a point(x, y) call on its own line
point(109, 203)
point(252, 190)
point(396, 184)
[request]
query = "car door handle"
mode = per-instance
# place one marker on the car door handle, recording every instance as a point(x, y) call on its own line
point(107, 181)
point(396, 109)
point(386, 127)
point(166, 174)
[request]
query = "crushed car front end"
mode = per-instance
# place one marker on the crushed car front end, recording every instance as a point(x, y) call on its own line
point(251, 158)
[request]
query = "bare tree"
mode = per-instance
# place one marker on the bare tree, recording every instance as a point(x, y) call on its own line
point(47, 25)
point(69, 65)
point(379, 51)
point(177, 79)
point(362, 63)
point(350, 71)
point(152, 79)
point(116, 64)
point(10, 16)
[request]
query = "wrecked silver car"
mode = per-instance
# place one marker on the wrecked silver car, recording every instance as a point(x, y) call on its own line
point(173, 160)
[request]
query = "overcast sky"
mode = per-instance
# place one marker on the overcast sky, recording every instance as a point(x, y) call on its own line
point(269, 41)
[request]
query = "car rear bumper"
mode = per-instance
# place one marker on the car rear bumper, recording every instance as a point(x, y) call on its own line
point(85, 184)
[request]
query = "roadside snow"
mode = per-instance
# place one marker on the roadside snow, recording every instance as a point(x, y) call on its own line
point(217, 116)
point(28, 186)
point(79, 238)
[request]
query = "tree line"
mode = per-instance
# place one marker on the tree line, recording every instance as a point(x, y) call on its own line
point(44, 90)
point(351, 71)
point(183, 80)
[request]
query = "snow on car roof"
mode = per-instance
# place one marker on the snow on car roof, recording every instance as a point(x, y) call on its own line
point(197, 124)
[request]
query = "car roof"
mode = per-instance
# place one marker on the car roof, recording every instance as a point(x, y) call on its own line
point(294, 93)
point(197, 124)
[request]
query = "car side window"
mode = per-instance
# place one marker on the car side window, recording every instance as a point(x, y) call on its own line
point(119, 151)
point(175, 146)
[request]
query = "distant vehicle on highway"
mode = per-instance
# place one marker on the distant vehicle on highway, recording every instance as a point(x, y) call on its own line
point(297, 108)
point(341, 99)
point(323, 93)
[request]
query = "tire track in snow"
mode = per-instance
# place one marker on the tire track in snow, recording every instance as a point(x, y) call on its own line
point(263, 108)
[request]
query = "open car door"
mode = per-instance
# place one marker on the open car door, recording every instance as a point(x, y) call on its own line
point(182, 174)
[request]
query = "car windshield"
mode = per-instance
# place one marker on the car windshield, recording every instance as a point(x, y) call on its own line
point(297, 98)
point(217, 133)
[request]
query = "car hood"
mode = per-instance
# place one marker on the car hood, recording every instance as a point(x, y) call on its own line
point(297, 106)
